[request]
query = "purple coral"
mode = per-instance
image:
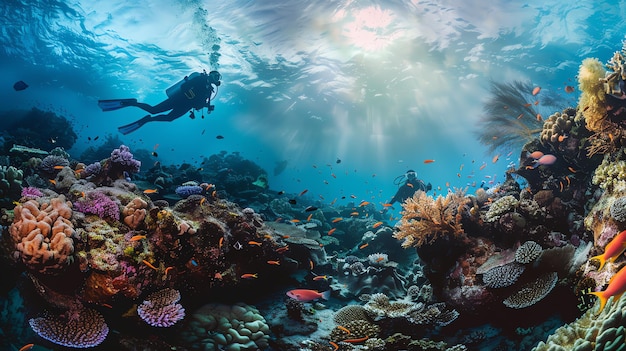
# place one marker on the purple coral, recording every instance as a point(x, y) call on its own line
point(96, 202)
point(124, 158)
point(185, 191)
point(79, 329)
point(93, 169)
point(160, 308)
point(30, 192)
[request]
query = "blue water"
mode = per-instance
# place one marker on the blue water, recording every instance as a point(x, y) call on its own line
point(380, 85)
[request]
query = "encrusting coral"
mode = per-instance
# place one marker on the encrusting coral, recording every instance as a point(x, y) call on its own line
point(43, 235)
point(425, 219)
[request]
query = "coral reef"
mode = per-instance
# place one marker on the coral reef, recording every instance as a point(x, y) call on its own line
point(592, 97)
point(160, 309)
point(425, 219)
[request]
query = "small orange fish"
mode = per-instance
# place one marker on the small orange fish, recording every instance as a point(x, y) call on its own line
point(560, 186)
point(310, 265)
point(308, 219)
point(353, 196)
point(571, 169)
point(527, 105)
point(356, 341)
point(275, 263)
point(387, 205)
point(569, 89)
point(168, 269)
point(221, 243)
point(320, 277)
point(149, 265)
point(364, 203)
point(52, 181)
point(520, 116)
point(343, 329)
point(536, 90)
point(26, 347)
point(429, 161)
point(354, 213)
point(536, 103)
point(539, 117)
point(447, 184)
point(295, 221)
point(458, 175)
point(363, 246)
point(568, 180)
point(338, 219)
point(137, 237)
point(249, 275)
point(495, 158)
point(380, 259)
point(202, 201)
point(482, 166)
point(103, 305)
point(58, 167)
point(611, 137)
point(151, 191)
point(254, 243)
point(330, 232)
point(282, 249)
point(377, 224)
point(561, 138)
point(334, 345)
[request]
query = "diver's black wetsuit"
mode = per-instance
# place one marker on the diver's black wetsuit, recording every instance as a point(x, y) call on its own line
point(406, 191)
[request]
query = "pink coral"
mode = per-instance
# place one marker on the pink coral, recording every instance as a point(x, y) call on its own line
point(43, 235)
point(135, 212)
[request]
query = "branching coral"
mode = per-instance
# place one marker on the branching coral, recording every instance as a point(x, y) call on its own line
point(425, 219)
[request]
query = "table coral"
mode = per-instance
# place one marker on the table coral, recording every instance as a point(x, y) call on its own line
point(160, 309)
point(43, 234)
point(78, 329)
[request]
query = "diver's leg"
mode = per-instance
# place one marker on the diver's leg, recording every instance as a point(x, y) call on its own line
point(161, 107)
point(172, 115)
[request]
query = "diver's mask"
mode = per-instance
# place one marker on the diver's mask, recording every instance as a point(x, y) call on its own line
point(411, 175)
point(214, 78)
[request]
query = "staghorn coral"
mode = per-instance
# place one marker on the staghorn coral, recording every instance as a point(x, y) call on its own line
point(78, 329)
point(532, 292)
point(425, 219)
point(592, 97)
point(528, 252)
point(160, 309)
point(42, 234)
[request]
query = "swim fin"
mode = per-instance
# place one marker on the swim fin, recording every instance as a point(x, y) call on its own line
point(112, 105)
point(129, 128)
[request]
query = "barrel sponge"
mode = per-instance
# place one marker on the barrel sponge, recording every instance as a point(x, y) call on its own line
point(226, 327)
point(604, 331)
point(42, 234)
point(592, 97)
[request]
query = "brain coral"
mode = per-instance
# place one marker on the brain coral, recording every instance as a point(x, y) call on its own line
point(528, 252)
point(227, 327)
point(43, 235)
point(532, 292)
point(604, 331)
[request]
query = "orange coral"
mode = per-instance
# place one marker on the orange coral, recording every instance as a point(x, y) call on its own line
point(135, 212)
point(43, 235)
point(426, 219)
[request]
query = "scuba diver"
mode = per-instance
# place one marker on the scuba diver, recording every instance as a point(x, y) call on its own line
point(192, 92)
point(410, 186)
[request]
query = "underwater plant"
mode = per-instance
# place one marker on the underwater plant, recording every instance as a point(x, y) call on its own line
point(513, 115)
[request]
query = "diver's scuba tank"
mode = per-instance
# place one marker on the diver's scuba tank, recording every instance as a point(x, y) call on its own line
point(176, 88)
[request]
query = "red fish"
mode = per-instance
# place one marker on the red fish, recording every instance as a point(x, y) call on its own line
point(536, 90)
point(569, 89)
point(613, 249)
point(249, 275)
point(429, 161)
point(617, 287)
point(306, 295)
